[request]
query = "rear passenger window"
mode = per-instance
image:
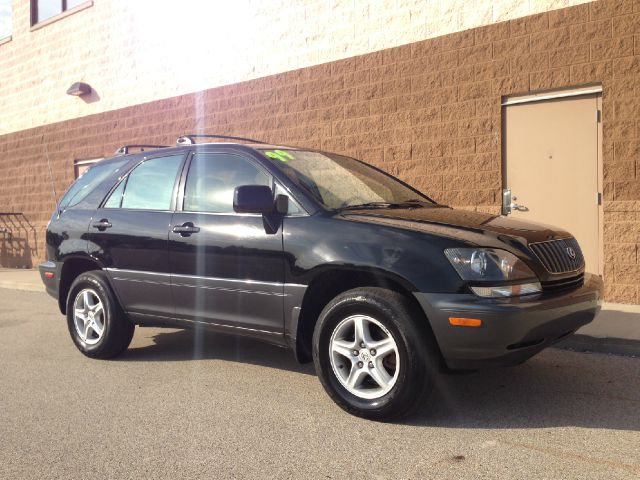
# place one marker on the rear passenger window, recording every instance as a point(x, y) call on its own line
point(116, 197)
point(149, 186)
point(213, 178)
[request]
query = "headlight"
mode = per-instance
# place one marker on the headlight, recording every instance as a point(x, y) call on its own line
point(488, 265)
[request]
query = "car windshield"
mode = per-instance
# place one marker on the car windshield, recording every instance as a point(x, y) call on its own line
point(339, 182)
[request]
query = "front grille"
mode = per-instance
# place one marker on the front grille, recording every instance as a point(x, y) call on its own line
point(555, 255)
point(564, 284)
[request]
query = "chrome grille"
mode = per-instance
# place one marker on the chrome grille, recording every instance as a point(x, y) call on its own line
point(555, 257)
point(562, 285)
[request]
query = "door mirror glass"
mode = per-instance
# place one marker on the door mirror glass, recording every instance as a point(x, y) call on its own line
point(282, 204)
point(253, 199)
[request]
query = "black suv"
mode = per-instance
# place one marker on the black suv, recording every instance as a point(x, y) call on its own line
point(347, 266)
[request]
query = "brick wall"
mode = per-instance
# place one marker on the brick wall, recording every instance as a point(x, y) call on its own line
point(428, 112)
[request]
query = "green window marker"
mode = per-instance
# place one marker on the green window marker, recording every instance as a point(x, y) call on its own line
point(277, 155)
point(285, 154)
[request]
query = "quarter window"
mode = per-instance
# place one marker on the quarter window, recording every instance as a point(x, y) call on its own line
point(115, 199)
point(294, 206)
point(213, 178)
point(88, 181)
point(149, 186)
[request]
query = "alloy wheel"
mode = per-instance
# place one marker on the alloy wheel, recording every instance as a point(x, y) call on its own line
point(88, 316)
point(364, 356)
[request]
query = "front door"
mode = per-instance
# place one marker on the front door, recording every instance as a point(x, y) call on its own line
point(227, 268)
point(552, 166)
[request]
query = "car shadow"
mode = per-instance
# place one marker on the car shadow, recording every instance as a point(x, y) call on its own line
point(553, 389)
point(201, 344)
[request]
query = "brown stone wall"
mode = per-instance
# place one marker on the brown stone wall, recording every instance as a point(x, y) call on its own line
point(428, 112)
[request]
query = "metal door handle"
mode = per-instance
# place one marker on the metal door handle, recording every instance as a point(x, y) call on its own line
point(102, 225)
point(186, 229)
point(520, 208)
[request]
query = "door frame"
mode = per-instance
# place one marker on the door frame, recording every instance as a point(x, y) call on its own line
point(592, 89)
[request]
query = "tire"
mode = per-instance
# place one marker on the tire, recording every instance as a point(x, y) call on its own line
point(109, 331)
point(410, 367)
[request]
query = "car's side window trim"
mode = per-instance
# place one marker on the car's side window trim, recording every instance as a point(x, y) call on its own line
point(125, 179)
point(303, 212)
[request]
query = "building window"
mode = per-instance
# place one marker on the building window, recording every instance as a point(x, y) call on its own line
point(81, 166)
point(42, 10)
point(5, 19)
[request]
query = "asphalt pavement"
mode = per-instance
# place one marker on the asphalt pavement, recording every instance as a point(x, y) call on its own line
point(190, 404)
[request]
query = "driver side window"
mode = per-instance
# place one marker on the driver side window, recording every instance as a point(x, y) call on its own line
point(213, 177)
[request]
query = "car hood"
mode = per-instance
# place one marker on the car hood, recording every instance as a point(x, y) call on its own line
point(461, 224)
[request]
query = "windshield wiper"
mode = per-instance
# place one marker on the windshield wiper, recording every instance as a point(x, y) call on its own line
point(414, 203)
point(366, 205)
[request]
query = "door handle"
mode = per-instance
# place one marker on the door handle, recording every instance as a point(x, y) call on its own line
point(186, 229)
point(520, 208)
point(102, 225)
point(509, 203)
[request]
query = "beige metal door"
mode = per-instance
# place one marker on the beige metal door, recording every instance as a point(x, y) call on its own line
point(552, 150)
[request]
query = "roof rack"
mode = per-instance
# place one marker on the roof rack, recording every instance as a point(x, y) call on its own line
point(190, 139)
point(125, 149)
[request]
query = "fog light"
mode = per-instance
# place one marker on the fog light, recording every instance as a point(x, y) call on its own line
point(508, 290)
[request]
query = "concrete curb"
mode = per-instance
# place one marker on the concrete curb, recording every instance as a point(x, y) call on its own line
point(28, 287)
point(614, 346)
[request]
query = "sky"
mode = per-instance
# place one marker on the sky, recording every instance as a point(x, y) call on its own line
point(5, 18)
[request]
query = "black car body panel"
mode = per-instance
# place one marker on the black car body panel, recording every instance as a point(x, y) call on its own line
point(230, 273)
point(513, 329)
point(249, 273)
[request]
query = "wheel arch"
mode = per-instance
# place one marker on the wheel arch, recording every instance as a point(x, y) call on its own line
point(331, 282)
point(71, 268)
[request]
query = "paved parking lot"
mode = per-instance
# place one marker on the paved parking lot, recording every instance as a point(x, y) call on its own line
point(194, 405)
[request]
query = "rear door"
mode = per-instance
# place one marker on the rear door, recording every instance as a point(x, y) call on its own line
point(227, 268)
point(129, 235)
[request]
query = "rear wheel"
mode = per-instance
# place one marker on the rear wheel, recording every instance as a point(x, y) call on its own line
point(97, 324)
point(371, 356)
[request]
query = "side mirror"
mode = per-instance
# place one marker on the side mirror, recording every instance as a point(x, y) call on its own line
point(282, 204)
point(253, 199)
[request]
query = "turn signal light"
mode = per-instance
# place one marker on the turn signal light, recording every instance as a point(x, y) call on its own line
point(465, 322)
point(49, 275)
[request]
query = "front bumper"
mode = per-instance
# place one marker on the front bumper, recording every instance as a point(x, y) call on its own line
point(513, 329)
point(51, 284)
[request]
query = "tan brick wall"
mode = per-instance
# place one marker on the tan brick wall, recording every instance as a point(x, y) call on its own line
point(136, 51)
point(428, 112)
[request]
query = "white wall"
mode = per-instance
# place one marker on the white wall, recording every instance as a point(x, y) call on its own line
point(135, 51)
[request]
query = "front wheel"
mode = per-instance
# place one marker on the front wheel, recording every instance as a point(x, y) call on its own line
point(370, 354)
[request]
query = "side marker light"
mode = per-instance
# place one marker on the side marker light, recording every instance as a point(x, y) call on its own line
point(465, 322)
